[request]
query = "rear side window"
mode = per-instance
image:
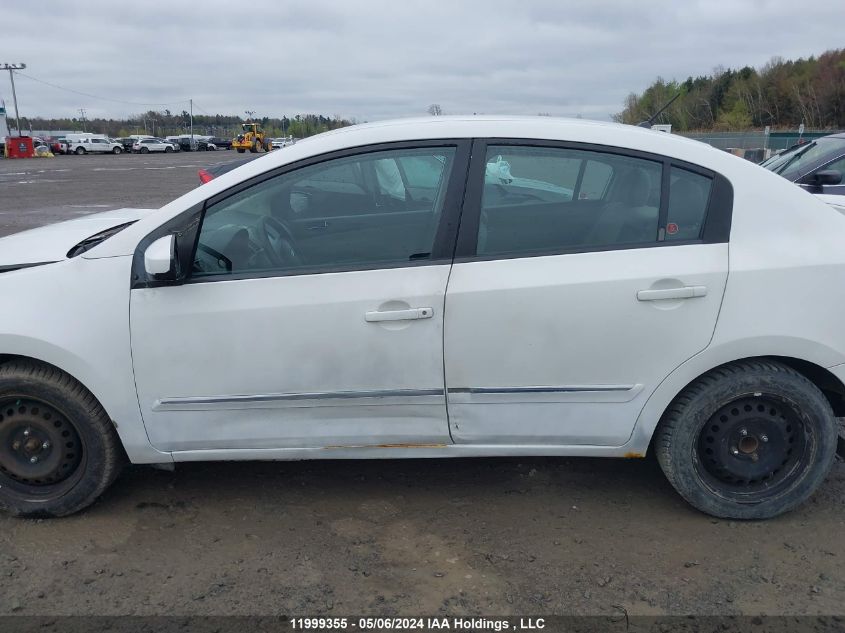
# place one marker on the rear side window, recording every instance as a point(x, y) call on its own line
point(689, 194)
point(537, 200)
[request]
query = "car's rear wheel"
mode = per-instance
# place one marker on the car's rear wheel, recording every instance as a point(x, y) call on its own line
point(167, 150)
point(145, 150)
point(116, 150)
point(80, 151)
point(58, 448)
point(748, 440)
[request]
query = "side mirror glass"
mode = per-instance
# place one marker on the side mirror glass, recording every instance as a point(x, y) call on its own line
point(160, 258)
point(827, 177)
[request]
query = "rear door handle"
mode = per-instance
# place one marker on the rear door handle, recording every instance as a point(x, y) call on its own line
point(399, 315)
point(684, 292)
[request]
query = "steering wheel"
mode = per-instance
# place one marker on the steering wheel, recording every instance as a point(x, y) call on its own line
point(282, 251)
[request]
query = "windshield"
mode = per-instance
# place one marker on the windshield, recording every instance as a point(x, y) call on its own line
point(797, 161)
point(778, 162)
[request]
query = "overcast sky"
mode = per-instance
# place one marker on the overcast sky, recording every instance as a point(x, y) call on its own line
point(374, 59)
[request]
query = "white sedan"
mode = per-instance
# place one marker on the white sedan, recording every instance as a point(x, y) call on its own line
point(446, 287)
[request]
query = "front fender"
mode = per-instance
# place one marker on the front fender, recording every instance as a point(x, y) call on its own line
point(74, 315)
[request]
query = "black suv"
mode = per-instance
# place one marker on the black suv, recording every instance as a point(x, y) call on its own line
point(221, 143)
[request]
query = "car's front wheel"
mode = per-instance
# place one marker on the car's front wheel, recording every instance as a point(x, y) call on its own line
point(167, 150)
point(748, 440)
point(58, 448)
point(116, 150)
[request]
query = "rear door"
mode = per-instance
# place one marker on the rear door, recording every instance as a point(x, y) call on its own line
point(583, 277)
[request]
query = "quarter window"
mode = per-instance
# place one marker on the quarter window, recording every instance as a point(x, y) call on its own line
point(688, 197)
point(538, 200)
point(370, 210)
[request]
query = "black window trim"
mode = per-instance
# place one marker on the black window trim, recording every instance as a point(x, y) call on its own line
point(717, 223)
point(186, 225)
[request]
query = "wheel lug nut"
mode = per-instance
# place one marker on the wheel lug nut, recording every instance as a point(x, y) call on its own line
point(764, 438)
point(754, 457)
point(735, 450)
point(27, 433)
point(743, 432)
point(33, 460)
point(16, 446)
point(45, 445)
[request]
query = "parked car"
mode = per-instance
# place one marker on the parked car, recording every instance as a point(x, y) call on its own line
point(126, 143)
point(442, 287)
point(55, 145)
point(281, 142)
point(221, 143)
point(817, 166)
point(147, 145)
point(85, 143)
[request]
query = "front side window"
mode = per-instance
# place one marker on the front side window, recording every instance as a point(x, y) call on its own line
point(368, 210)
point(543, 200)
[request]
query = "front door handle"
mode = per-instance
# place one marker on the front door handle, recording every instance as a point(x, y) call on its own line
point(399, 315)
point(684, 292)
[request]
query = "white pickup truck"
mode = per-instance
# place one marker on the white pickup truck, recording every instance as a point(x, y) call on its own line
point(85, 143)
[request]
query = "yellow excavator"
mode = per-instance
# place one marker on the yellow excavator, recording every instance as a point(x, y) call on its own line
point(252, 138)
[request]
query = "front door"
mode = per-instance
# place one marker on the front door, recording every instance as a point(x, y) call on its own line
point(313, 315)
point(583, 278)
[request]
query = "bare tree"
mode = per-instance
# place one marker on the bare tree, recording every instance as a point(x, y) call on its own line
point(435, 110)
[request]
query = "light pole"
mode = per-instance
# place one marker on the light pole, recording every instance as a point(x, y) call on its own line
point(12, 68)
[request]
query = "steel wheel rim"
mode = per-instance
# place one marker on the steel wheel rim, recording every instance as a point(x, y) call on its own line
point(753, 447)
point(41, 451)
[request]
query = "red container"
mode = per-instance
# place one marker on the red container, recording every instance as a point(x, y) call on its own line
point(19, 147)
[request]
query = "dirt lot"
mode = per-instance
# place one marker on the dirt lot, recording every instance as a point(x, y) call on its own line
point(485, 536)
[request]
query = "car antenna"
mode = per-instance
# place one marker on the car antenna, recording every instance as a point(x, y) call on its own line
point(647, 123)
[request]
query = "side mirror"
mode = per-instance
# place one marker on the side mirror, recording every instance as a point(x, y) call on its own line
point(828, 177)
point(160, 258)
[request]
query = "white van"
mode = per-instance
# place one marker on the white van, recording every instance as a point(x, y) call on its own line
point(84, 143)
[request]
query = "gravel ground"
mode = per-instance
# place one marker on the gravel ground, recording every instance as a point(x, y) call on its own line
point(482, 536)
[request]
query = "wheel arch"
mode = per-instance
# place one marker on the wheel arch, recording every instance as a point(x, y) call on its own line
point(132, 433)
point(831, 386)
point(8, 358)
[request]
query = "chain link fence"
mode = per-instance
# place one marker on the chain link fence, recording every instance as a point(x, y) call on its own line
point(755, 145)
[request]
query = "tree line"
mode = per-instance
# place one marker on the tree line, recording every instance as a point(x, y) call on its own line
point(167, 123)
point(781, 94)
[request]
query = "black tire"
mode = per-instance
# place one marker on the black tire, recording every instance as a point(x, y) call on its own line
point(58, 448)
point(80, 151)
point(241, 150)
point(167, 150)
point(116, 150)
point(145, 150)
point(748, 440)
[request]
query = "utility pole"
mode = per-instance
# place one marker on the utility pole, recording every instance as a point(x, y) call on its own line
point(82, 116)
point(12, 68)
point(192, 123)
